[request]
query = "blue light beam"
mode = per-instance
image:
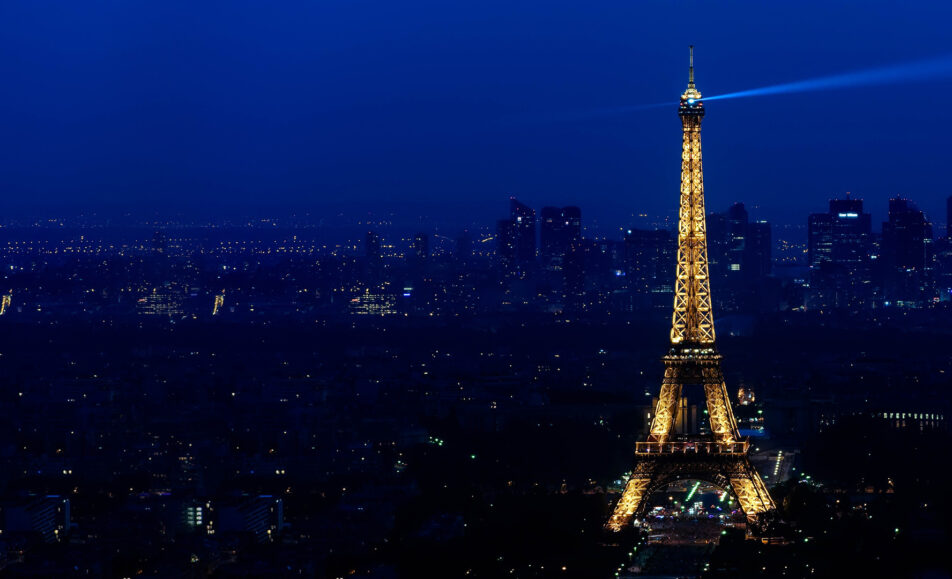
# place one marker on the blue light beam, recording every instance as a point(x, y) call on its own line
point(910, 72)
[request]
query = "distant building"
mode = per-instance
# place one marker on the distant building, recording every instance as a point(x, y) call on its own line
point(48, 516)
point(516, 239)
point(839, 244)
point(942, 273)
point(948, 217)
point(649, 258)
point(164, 301)
point(736, 244)
point(421, 246)
point(759, 258)
point(262, 517)
point(378, 300)
point(464, 246)
point(524, 231)
point(372, 246)
point(159, 242)
point(560, 231)
point(739, 257)
point(505, 243)
point(907, 254)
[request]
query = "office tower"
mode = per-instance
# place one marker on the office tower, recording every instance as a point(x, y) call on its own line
point(516, 239)
point(523, 231)
point(261, 517)
point(372, 246)
point(839, 244)
point(736, 243)
point(464, 246)
point(421, 246)
point(718, 240)
point(942, 272)
point(505, 243)
point(561, 228)
point(159, 242)
point(948, 217)
point(740, 257)
point(49, 516)
point(759, 254)
point(649, 261)
point(906, 258)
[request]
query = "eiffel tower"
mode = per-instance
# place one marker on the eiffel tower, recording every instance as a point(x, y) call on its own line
point(722, 458)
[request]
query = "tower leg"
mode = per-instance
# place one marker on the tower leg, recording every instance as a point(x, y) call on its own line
point(666, 412)
point(751, 492)
point(630, 501)
point(720, 415)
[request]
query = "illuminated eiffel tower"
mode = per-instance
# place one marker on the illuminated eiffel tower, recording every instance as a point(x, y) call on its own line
point(722, 457)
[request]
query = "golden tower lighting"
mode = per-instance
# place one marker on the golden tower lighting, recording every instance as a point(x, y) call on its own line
point(723, 457)
point(219, 303)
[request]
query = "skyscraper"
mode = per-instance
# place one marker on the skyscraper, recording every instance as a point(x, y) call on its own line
point(740, 257)
point(718, 242)
point(759, 254)
point(649, 262)
point(159, 242)
point(736, 242)
point(516, 239)
point(464, 246)
point(421, 246)
point(906, 253)
point(505, 242)
point(838, 252)
point(948, 217)
point(561, 228)
point(523, 220)
point(374, 257)
point(372, 246)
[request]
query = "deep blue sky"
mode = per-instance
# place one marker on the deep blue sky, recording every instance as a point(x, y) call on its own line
point(446, 108)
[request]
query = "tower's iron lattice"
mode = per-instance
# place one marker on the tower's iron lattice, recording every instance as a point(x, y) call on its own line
point(723, 457)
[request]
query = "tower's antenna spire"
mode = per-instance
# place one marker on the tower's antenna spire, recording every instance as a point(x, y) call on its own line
point(691, 69)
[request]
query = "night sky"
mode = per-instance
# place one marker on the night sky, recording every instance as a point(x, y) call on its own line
point(445, 109)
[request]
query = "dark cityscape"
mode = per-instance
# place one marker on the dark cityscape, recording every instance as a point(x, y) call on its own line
point(403, 378)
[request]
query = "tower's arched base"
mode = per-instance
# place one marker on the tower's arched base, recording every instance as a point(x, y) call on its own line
point(728, 470)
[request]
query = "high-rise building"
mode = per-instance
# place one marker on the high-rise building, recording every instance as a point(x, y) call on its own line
point(649, 262)
point(48, 515)
point(948, 217)
point(372, 246)
point(942, 274)
point(261, 517)
point(505, 243)
point(464, 245)
point(523, 220)
point(164, 300)
point(906, 259)
point(159, 242)
point(561, 229)
point(516, 239)
point(717, 244)
point(740, 257)
point(421, 246)
point(736, 243)
point(839, 243)
point(759, 254)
